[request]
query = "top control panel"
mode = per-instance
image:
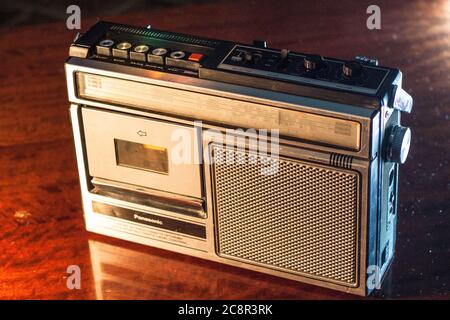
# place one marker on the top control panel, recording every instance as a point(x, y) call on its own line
point(147, 55)
point(304, 69)
point(359, 81)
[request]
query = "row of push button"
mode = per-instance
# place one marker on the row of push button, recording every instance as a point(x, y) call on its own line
point(143, 53)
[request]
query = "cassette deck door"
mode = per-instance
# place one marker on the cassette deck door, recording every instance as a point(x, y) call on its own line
point(140, 151)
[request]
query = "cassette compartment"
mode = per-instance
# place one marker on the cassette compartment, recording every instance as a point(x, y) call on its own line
point(142, 152)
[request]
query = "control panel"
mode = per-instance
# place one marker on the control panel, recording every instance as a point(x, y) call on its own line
point(359, 81)
point(310, 69)
point(149, 54)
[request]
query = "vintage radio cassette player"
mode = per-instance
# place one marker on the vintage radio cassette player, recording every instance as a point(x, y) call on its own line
point(276, 161)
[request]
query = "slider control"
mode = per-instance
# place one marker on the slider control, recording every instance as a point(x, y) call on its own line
point(248, 56)
point(252, 57)
point(284, 59)
point(313, 62)
point(352, 69)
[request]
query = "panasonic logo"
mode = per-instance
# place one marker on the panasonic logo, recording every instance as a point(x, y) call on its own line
point(141, 218)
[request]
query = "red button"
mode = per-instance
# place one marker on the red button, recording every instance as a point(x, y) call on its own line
point(195, 57)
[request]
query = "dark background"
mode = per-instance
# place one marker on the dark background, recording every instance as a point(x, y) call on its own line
point(41, 224)
point(22, 12)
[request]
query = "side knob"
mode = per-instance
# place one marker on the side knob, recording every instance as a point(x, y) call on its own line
point(313, 62)
point(399, 141)
point(352, 69)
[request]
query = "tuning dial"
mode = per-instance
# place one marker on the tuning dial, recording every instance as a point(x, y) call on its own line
point(313, 62)
point(399, 140)
point(352, 69)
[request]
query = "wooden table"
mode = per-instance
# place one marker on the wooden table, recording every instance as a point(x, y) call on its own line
point(41, 224)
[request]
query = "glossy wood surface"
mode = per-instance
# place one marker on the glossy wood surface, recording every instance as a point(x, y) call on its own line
point(41, 224)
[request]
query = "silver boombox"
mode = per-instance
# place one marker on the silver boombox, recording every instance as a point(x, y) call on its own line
point(270, 160)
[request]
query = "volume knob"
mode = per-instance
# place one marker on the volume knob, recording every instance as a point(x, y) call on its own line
point(313, 62)
point(352, 69)
point(399, 141)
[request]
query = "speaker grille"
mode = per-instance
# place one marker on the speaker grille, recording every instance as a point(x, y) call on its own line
point(302, 219)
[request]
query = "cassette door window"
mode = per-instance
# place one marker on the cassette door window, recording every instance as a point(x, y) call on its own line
point(142, 152)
